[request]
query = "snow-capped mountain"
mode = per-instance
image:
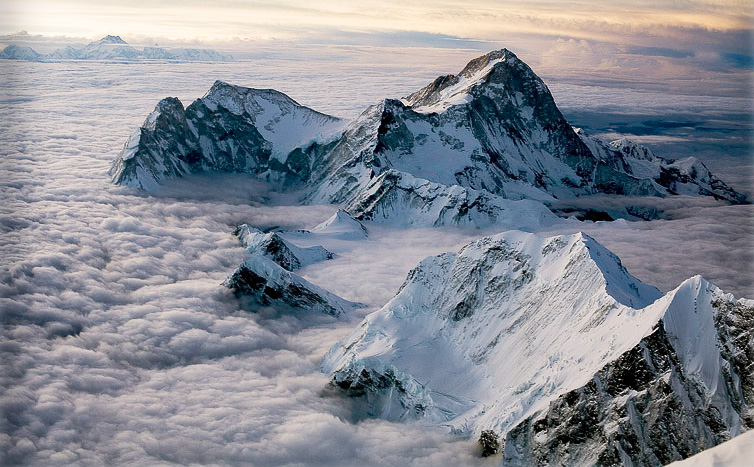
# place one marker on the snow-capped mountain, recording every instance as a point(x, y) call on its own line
point(495, 127)
point(230, 129)
point(114, 48)
point(454, 151)
point(550, 343)
point(16, 52)
point(108, 48)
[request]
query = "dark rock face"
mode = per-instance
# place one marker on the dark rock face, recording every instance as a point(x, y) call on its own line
point(163, 146)
point(735, 330)
point(379, 394)
point(265, 283)
point(642, 409)
point(223, 131)
point(247, 282)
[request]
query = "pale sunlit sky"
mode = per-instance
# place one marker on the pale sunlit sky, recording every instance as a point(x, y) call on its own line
point(637, 22)
point(704, 42)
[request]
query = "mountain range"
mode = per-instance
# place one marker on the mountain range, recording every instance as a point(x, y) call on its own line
point(548, 343)
point(458, 151)
point(113, 48)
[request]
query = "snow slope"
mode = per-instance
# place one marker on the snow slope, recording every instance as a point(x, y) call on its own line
point(738, 452)
point(503, 333)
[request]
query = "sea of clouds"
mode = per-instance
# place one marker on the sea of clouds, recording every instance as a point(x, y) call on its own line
point(120, 347)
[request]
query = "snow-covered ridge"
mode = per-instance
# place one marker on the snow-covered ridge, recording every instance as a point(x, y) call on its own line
point(115, 48)
point(230, 129)
point(491, 132)
point(401, 198)
point(501, 334)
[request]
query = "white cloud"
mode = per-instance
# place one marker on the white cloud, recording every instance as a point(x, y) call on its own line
point(119, 346)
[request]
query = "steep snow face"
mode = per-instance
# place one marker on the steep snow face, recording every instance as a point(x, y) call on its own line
point(230, 129)
point(713, 336)
point(551, 343)
point(683, 388)
point(496, 331)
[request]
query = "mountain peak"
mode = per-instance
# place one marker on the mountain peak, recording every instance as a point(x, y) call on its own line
point(464, 322)
point(111, 40)
point(499, 69)
point(480, 63)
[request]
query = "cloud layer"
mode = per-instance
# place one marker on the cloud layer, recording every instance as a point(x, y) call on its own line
point(119, 346)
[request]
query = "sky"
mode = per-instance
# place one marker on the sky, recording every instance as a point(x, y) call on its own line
point(644, 21)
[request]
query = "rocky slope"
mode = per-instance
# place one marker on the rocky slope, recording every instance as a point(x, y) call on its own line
point(259, 281)
point(553, 345)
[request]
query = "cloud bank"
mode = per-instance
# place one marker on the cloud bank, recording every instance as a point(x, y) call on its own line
point(119, 346)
